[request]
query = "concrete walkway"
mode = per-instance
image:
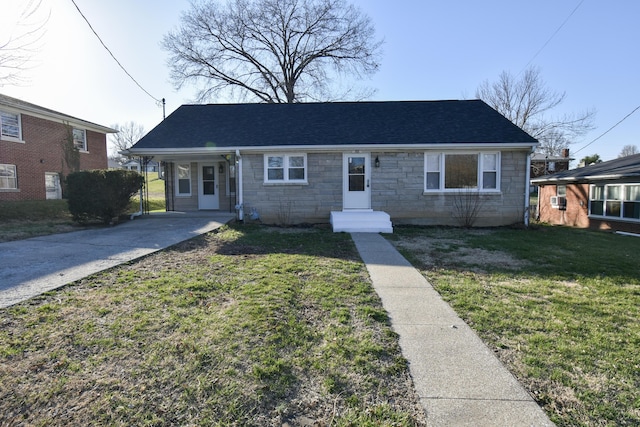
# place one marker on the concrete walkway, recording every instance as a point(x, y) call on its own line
point(33, 266)
point(459, 380)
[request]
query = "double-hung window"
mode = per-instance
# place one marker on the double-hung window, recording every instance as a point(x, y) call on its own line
point(80, 139)
point(8, 177)
point(449, 171)
point(615, 201)
point(10, 126)
point(183, 179)
point(285, 168)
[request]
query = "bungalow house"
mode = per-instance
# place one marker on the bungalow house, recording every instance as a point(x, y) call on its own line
point(602, 196)
point(39, 146)
point(358, 165)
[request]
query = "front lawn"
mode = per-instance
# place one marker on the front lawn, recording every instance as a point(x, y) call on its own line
point(24, 219)
point(560, 306)
point(247, 326)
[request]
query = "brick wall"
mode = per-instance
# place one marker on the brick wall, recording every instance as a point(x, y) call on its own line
point(42, 152)
point(576, 213)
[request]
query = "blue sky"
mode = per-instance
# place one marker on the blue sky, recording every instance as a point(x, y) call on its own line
point(433, 50)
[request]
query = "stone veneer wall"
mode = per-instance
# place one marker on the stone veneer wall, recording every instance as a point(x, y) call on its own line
point(294, 203)
point(397, 188)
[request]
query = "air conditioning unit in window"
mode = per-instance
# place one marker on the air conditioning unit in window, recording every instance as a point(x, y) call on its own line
point(558, 202)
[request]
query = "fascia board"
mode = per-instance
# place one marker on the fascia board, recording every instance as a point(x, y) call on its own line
point(43, 113)
point(324, 148)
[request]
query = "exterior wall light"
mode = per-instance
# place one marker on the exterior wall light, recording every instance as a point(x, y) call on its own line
point(377, 162)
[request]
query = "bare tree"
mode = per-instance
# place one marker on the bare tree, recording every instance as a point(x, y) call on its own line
point(528, 101)
point(19, 41)
point(628, 150)
point(276, 51)
point(128, 134)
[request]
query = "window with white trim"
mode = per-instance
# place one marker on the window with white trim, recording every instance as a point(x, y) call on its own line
point(8, 177)
point(284, 168)
point(615, 201)
point(467, 170)
point(10, 126)
point(80, 139)
point(183, 179)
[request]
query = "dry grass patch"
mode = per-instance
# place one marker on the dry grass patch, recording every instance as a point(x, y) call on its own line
point(560, 307)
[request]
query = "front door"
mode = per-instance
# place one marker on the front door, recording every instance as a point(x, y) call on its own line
point(52, 184)
point(356, 181)
point(208, 186)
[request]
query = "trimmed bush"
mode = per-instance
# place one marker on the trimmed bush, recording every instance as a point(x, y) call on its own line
point(101, 194)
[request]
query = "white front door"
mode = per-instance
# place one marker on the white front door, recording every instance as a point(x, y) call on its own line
point(52, 184)
point(356, 181)
point(208, 186)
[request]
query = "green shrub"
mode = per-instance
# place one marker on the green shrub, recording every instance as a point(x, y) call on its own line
point(101, 194)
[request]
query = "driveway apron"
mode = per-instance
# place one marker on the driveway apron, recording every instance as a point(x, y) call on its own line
point(33, 266)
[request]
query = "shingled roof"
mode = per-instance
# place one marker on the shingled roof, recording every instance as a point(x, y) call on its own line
point(624, 167)
point(401, 123)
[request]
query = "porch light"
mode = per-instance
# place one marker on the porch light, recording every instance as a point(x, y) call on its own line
point(377, 162)
point(221, 167)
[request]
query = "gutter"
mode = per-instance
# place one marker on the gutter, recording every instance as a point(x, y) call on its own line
point(160, 152)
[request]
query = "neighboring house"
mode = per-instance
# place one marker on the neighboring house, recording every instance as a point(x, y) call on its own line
point(39, 146)
point(602, 196)
point(357, 165)
point(544, 164)
point(113, 164)
point(134, 165)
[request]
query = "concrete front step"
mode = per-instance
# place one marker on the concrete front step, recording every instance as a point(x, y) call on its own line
point(361, 221)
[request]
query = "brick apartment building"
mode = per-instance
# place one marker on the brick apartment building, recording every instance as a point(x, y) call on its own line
point(39, 147)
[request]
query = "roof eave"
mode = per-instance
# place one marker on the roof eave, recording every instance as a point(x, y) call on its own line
point(584, 178)
point(323, 148)
point(48, 114)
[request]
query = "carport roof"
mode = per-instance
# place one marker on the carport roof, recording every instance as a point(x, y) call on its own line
point(401, 123)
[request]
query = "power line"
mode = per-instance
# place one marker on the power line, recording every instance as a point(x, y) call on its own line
point(610, 129)
point(112, 55)
point(552, 36)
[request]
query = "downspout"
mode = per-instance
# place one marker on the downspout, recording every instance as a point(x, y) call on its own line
point(527, 196)
point(239, 206)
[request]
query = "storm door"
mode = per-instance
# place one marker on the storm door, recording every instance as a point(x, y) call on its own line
point(356, 181)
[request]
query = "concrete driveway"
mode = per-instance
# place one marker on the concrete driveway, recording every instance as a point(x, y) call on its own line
point(33, 266)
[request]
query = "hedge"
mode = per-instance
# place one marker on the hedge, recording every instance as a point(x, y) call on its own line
point(101, 194)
